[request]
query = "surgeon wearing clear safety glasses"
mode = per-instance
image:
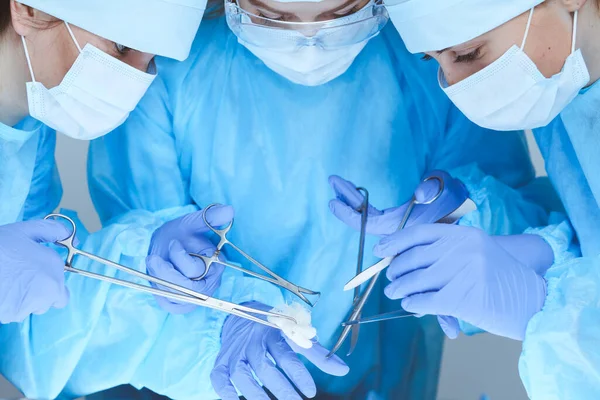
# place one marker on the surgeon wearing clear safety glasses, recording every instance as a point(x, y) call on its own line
point(309, 43)
point(517, 64)
point(276, 103)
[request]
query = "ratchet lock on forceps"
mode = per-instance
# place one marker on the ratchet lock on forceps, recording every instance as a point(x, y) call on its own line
point(271, 277)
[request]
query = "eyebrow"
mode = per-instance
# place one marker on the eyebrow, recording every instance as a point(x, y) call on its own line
point(442, 51)
point(341, 7)
point(258, 3)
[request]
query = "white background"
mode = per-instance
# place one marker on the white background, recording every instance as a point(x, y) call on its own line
point(471, 366)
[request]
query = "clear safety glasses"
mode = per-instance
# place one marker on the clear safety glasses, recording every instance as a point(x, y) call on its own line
point(284, 36)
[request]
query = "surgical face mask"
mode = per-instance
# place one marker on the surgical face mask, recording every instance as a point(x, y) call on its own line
point(512, 94)
point(95, 96)
point(309, 66)
point(313, 58)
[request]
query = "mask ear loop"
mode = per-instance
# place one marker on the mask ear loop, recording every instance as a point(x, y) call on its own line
point(72, 36)
point(28, 59)
point(527, 29)
point(574, 32)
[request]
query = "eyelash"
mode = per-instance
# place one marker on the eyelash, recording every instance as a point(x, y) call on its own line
point(426, 57)
point(467, 58)
point(268, 19)
point(122, 50)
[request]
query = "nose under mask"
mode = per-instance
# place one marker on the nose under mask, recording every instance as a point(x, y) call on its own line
point(309, 66)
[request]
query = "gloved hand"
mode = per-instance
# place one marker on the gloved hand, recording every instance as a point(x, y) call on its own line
point(461, 272)
point(32, 277)
point(245, 348)
point(169, 257)
point(530, 250)
point(386, 222)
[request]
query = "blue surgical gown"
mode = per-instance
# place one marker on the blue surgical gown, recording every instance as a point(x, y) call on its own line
point(222, 127)
point(561, 352)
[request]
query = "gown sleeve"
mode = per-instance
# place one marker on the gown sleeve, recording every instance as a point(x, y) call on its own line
point(109, 335)
point(560, 357)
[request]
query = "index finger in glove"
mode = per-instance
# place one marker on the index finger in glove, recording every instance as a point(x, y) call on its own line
point(346, 192)
point(317, 355)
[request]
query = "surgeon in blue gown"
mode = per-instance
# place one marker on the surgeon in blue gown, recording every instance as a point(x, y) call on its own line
point(225, 127)
point(528, 64)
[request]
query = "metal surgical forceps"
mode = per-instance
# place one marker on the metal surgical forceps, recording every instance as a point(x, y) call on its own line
point(185, 295)
point(272, 278)
point(364, 215)
point(449, 212)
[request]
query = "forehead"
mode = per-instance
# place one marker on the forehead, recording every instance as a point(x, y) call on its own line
point(301, 6)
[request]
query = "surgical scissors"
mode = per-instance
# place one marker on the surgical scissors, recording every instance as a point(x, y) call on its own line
point(375, 270)
point(188, 296)
point(272, 278)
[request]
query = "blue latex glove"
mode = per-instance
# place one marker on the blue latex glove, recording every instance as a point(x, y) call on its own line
point(385, 222)
point(169, 257)
point(246, 351)
point(531, 250)
point(31, 275)
point(464, 273)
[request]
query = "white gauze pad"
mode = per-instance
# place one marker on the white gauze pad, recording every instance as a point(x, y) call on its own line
point(301, 332)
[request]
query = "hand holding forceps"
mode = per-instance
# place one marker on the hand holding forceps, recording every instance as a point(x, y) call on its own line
point(272, 278)
point(446, 206)
point(184, 294)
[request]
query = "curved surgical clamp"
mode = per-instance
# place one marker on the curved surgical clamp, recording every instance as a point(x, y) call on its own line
point(185, 295)
point(272, 278)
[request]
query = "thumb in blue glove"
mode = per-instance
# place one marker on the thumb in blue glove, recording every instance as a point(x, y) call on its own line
point(31, 274)
point(169, 257)
point(250, 349)
point(179, 269)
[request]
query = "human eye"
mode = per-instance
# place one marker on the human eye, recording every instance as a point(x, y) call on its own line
point(469, 57)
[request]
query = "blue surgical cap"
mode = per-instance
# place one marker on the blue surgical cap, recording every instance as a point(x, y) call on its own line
point(162, 27)
point(433, 25)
